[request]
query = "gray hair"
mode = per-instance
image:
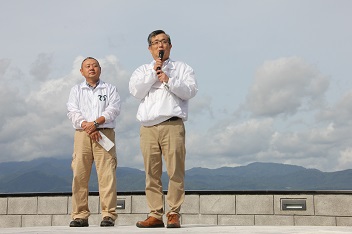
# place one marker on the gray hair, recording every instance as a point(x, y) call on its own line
point(157, 32)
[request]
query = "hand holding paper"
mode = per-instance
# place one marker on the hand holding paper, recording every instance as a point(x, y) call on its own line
point(105, 142)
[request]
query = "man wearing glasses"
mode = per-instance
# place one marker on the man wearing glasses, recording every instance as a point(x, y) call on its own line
point(163, 87)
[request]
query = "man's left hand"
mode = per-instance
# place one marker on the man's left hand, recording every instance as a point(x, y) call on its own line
point(162, 77)
point(89, 127)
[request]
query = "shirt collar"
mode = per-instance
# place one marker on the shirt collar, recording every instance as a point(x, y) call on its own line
point(91, 87)
point(166, 64)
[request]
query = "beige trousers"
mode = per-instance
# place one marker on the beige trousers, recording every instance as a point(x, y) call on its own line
point(167, 139)
point(84, 153)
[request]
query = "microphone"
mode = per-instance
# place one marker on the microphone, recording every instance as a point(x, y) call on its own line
point(161, 55)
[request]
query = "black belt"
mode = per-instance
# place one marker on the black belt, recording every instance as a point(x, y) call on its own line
point(97, 129)
point(175, 118)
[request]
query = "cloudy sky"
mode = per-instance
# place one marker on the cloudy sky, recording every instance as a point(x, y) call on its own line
point(275, 76)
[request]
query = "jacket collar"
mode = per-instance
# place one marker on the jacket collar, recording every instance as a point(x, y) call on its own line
point(168, 64)
point(85, 85)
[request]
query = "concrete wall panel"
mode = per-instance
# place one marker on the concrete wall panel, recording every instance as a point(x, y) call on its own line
point(52, 205)
point(139, 204)
point(3, 205)
point(217, 204)
point(314, 221)
point(254, 204)
point(9, 221)
point(22, 205)
point(274, 220)
point(333, 205)
point(36, 220)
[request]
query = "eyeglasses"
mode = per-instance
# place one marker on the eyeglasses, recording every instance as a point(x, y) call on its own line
point(156, 43)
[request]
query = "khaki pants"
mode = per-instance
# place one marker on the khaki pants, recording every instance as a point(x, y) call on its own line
point(84, 153)
point(167, 139)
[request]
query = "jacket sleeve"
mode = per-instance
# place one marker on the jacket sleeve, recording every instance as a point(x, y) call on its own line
point(185, 86)
point(141, 81)
point(114, 107)
point(74, 113)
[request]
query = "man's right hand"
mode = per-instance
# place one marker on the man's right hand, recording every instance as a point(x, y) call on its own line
point(158, 63)
point(88, 127)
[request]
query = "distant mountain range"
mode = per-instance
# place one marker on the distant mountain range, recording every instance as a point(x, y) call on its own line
point(54, 175)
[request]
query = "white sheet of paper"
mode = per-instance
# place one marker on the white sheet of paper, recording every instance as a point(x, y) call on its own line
point(105, 142)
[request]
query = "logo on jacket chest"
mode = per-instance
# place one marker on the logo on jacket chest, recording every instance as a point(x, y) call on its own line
point(102, 97)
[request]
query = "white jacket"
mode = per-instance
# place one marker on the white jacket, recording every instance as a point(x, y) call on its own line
point(85, 104)
point(160, 101)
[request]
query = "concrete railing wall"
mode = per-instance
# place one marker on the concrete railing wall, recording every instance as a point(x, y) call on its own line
point(217, 208)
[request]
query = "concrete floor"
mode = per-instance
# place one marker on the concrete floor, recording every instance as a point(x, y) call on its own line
point(186, 229)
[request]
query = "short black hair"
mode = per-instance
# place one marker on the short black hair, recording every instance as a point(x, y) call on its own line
point(157, 32)
point(89, 58)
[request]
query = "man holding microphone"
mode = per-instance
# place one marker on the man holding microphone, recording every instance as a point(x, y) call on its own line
point(163, 87)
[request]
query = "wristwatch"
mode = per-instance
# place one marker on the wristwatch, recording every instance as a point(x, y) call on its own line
point(96, 124)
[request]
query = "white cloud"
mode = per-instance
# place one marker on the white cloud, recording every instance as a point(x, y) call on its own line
point(284, 86)
point(345, 159)
point(4, 64)
point(259, 140)
point(201, 104)
point(230, 142)
point(41, 68)
point(340, 113)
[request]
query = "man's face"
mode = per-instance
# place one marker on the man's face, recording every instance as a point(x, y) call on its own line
point(160, 42)
point(91, 69)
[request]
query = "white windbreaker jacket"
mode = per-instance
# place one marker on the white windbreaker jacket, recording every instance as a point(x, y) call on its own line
point(160, 101)
point(86, 104)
